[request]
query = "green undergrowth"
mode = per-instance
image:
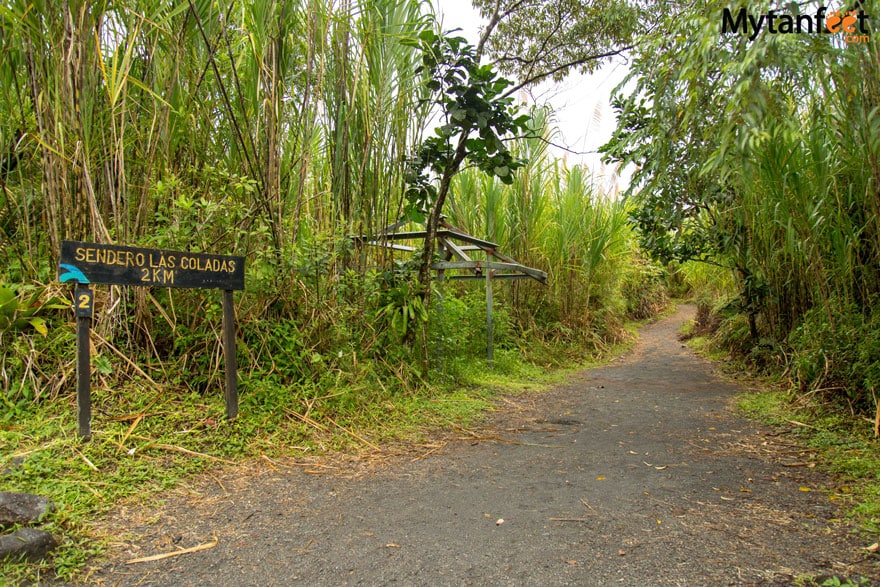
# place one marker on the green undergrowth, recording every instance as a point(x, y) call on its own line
point(844, 444)
point(147, 438)
point(845, 447)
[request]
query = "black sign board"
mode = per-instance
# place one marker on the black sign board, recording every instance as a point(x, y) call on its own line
point(118, 265)
point(86, 263)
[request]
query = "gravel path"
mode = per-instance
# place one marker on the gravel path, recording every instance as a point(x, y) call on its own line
point(636, 473)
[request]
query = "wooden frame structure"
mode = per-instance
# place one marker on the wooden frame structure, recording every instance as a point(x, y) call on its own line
point(455, 244)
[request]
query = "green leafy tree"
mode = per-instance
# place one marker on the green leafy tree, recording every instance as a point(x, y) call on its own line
point(747, 156)
point(688, 109)
point(477, 115)
point(538, 39)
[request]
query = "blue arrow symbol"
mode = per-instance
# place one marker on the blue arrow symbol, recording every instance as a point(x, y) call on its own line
point(73, 274)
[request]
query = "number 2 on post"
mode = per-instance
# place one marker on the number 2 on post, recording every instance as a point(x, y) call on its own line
point(83, 306)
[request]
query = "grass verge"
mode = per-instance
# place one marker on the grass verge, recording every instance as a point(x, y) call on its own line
point(844, 443)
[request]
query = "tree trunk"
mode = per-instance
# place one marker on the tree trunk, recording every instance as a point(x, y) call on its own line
point(431, 224)
point(433, 220)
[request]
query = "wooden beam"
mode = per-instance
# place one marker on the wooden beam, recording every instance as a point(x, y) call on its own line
point(417, 234)
point(496, 276)
point(489, 332)
point(395, 226)
point(400, 236)
point(83, 306)
point(536, 274)
point(393, 246)
point(505, 258)
point(451, 246)
point(467, 238)
point(231, 391)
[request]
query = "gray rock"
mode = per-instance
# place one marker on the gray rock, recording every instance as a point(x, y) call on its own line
point(22, 508)
point(27, 543)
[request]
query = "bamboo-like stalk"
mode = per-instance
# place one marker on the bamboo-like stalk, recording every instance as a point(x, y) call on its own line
point(551, 218)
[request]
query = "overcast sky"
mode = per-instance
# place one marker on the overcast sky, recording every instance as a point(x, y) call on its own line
point(585, 119)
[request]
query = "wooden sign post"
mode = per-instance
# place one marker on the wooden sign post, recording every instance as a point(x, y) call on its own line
point(85, 263)
point(82, 306)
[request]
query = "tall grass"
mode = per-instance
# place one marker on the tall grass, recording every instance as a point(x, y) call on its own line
point(274, 130)
point(269, 129)
point(113, 99)
point(810, 207)
point(552, 217)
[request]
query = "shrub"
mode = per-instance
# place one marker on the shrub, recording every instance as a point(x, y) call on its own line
point(838, 353)
point(644, 290)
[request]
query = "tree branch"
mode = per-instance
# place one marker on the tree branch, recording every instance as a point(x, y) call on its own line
point(497, 16)
point(544, 74)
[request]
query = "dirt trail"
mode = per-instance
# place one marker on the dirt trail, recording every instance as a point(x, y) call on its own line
point(636, 473)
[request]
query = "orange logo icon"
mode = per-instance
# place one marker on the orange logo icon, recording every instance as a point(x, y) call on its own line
point(836, 22)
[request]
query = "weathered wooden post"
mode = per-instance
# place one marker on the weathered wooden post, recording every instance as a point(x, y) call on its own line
point(83, 302)
point(489, 333)
point(229, 354)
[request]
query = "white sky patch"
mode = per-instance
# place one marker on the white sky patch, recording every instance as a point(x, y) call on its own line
point(581, 103)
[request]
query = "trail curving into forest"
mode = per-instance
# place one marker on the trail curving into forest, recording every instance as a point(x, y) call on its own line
point(637, 473)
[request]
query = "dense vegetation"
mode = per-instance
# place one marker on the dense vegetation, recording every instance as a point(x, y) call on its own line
point(226, 129)
point(277, 131)
point(281, 130)
point(761, 159)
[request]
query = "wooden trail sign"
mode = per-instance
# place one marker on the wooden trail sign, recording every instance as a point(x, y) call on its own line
point(116, 265)
point(85, 263)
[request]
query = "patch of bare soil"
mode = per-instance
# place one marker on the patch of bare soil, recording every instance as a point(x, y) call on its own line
point(637, 473)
